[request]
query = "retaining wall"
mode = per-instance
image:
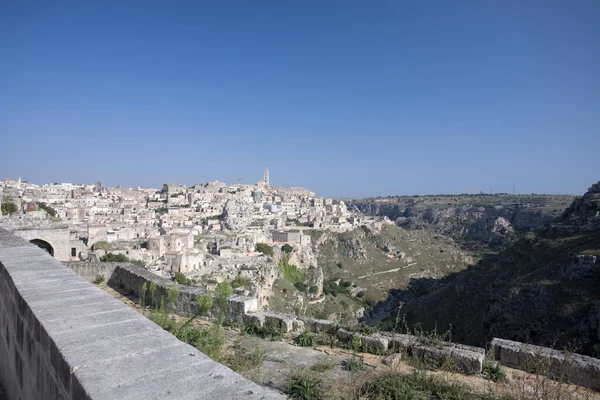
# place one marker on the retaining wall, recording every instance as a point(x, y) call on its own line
point(566, 367)
point(130, 278)
point(63, 338)
point(573, 368)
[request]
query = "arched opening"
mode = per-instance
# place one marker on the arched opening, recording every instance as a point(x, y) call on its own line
point(42, 244)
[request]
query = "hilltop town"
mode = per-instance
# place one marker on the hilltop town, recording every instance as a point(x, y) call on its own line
point(207, 232)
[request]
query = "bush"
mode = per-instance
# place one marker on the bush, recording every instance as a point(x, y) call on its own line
point(286, 248)
point(265, 249)
point(304, 388)
point(183, 280)
point(330, 287)
point(51, 211)
point(241, 281)
point(306, 339)
point(360, 294)
point(8, 206)
point(416, 386)
point(291, 273)
point(208, 341)
point(99, 280)
point(301, 286)
point(110, 257)
point(353, 364)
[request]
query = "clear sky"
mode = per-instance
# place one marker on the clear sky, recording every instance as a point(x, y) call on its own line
point(347, 98)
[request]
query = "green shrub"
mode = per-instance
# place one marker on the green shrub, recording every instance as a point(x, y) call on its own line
point(330, 287)
point(99, 280)
point(241, 281)
point(360, 294)
point(272, 332)
point(322, 366)
point(306, 339)
point(353, 364)
point(301, 286)
point(304, 388)
point(416, 386)
point(286, 248)
point(265, 249)
point(110, 257)
point(8, 206)
point(51, 211)
point(356, 343)
point(492, 370)
point(205, 303)
point(183, 280)
point(208, 341)
point(172, 294)
point(291, 273)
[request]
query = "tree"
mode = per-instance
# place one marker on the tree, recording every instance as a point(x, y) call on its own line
point(51, 211)
point(9, 206)
point(286, 248)
point(265, 249)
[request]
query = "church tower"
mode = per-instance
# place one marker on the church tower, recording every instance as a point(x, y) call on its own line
point(266, 178)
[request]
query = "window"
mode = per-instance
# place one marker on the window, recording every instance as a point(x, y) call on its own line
point(73, 252)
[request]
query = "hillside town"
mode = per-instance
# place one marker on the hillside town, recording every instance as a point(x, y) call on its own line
point(208, 232)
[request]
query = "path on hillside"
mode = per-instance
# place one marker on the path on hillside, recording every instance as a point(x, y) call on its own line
point(386, 271)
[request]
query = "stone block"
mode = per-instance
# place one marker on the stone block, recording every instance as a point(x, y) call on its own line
point(309, 323)
point(376, 343)
point(431, 354)
point(468, 361)
point(344, 335)
point(402, 343)
point(257, 320)
point(325, 326)
point(299, 326)
point(243, 304)
point(507, 351)
point(393, 360)
point(283, 321)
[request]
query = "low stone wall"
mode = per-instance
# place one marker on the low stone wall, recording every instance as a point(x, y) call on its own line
point(565, 367)
point(130, 278)
point(63, 338)
point(573, 368)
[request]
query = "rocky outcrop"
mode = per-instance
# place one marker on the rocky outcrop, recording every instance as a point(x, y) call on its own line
point(583, 215)
point(493, 223)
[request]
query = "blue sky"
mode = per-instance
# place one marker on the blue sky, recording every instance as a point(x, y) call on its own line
point(347, 98)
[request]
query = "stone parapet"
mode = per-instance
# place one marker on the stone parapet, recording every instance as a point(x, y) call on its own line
point(566, 367)
point(63, 338)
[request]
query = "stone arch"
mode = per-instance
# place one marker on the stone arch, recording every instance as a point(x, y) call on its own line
point(42, 244)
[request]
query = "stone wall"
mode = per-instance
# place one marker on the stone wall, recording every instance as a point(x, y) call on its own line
point(565, 367)
point(130, 278)
point(63, 338)
point(572, 368)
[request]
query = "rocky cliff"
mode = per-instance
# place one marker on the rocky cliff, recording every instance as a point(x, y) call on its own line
point(472, 220)
point(543, 289)
point(357, 268)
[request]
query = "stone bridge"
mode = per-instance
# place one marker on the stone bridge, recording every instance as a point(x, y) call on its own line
point(61, 337)
point(54, 240)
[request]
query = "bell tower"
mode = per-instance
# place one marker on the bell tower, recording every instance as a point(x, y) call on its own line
point(266, 178)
